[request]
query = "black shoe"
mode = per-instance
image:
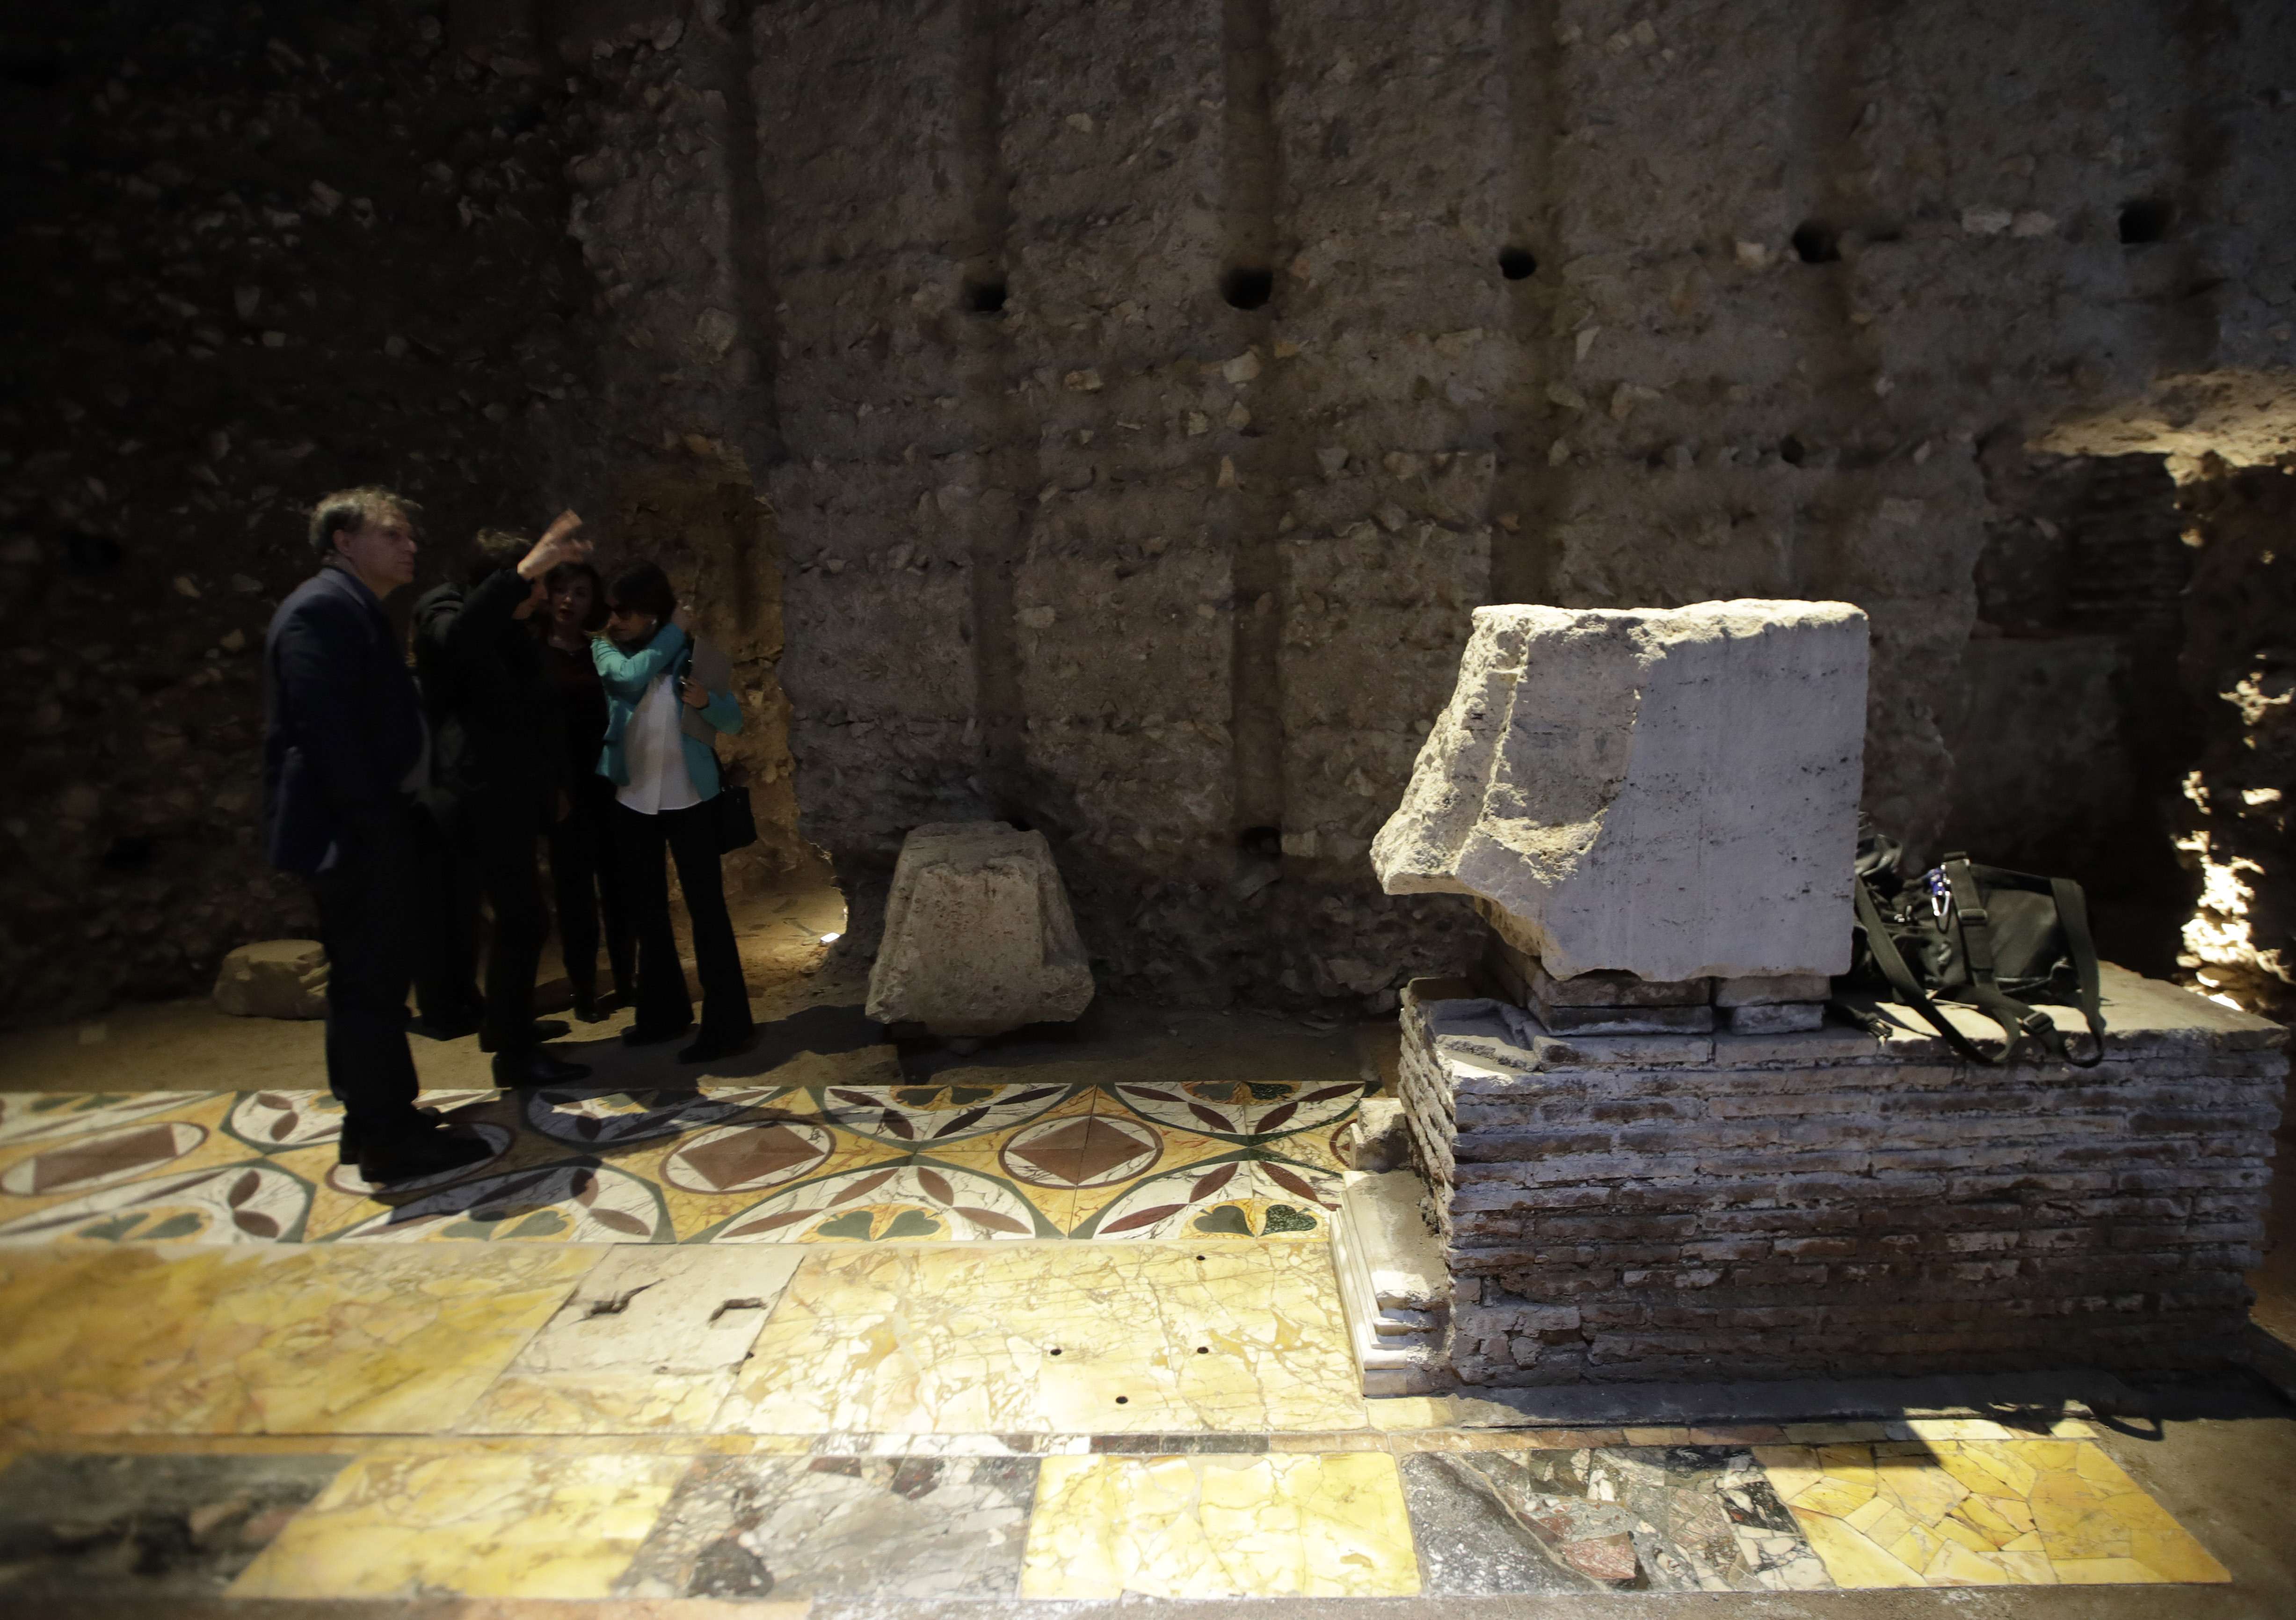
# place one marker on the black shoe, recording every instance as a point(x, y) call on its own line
point(710, 1048)
point(348, 1144)
point(444, 1029)
point(639, 1035)
point(596, 1009)
point(536, 1067)
point(544, 1029)
point(412, 1155)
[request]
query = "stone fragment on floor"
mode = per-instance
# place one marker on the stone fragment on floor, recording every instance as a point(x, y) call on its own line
point(914, 1528)
point(1666, 792)
point(76, 1527)
point(274, 979)
point(979, 936)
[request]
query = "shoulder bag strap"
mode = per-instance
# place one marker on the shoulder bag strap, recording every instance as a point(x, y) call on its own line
point(1901, 978)
point(2015, 1018)
point(2073, 915)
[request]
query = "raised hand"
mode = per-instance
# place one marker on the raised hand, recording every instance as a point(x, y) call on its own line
point(556, 545)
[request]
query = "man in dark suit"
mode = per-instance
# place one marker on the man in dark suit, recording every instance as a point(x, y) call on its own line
point(500, 771)
point(344, 750)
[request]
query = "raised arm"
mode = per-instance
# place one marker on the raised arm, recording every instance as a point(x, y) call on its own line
point(627, 675)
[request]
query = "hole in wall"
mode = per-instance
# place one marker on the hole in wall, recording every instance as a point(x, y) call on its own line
point(1518, 263)
point(1247, 286)
point(130, 854)
point(1265, 841)
point(1817, 243)
point(1791, 452)
point(985, 296)
point(2145, 219)
point(32, 72)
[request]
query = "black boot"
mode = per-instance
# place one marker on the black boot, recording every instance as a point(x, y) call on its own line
point(710, 1048)
point(543, 1029)
point(411, 1153)
point(354, 1137)
point(590, 1007)
point(536, 1067)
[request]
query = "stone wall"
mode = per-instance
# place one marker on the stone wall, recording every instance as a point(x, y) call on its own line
point(1160, 384)
point(1130, 401)
point(1637, 1208)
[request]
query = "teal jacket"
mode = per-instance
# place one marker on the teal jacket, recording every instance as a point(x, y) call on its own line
point(627, 676)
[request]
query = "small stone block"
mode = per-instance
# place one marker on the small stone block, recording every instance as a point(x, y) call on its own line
point(1626, 1020)
point(276, 979)
point(1767, 989)
point(979, 936)
point(1777, 1018)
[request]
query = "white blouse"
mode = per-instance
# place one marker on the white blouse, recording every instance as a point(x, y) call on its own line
point(654, 748)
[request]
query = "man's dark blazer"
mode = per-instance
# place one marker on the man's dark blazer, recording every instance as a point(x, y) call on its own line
point(344, 725)
point(493, 714)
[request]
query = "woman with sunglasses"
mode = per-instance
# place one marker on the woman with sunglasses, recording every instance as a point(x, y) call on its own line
point(668, 698)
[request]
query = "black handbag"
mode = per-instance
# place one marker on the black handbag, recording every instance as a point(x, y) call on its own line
point(1997, 939)
point(730, 816)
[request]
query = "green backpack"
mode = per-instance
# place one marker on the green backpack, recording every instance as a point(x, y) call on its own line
point(1994, 939)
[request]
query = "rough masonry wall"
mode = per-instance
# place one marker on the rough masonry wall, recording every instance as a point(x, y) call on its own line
point(1159, 386)
point(251, 262)
point(1131, 400)
point(1664, 1208)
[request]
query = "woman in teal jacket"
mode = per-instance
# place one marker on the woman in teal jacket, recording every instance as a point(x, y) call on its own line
point(668, 697)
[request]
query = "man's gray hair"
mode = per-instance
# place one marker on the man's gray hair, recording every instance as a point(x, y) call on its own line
point(347, 510)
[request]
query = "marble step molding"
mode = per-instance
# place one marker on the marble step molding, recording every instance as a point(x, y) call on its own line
point(1394, 1288)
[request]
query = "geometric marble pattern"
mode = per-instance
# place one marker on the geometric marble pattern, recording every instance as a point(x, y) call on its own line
point(717, 1163)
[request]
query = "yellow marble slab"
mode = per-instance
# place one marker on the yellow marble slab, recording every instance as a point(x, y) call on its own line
point(265, 1339)
point(1216, 1527)
point(485, 1525)
point(1980, 1512)
point(1053, 1338)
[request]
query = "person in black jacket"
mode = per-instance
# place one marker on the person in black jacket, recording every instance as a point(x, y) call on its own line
point(501, 769)
point(344, 749)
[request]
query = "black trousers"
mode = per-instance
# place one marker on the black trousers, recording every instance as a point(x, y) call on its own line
point(370, 914)
point(693, 843)
point(446, 965)
point(500, 836)
point(587, 879)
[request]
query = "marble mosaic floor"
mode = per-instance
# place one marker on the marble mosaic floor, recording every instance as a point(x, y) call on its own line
point(835, 1335)
point(1033, 1420)
point(791, 1162)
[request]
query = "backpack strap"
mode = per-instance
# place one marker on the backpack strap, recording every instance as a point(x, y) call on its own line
point(1974, 923)
point(1901, 978)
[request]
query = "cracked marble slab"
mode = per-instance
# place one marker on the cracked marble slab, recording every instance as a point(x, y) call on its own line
point(480, 1524)
point(1660, 1519)
point(1058, 1337)
point(1980, 1512)
point(265, 1339)
point(649, 1342)
point(923, 1527)
point(1215, 1526)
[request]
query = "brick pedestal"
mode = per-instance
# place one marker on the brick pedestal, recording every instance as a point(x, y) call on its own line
point(1679, 1207)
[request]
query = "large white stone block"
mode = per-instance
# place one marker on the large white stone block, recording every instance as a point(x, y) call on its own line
point(1666, 791)
point(979, 936)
